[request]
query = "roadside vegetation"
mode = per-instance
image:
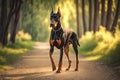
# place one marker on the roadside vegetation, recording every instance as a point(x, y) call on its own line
point(12, 52)
point(102, 46)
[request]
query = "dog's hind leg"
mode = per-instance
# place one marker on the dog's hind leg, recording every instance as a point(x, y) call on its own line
point(76, 53)
point(52, 61)
point(66, 50)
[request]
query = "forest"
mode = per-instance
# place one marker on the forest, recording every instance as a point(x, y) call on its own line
point(96, 22)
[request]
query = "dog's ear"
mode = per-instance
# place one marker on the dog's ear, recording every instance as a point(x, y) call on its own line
point(52, 11)
point(59, 12)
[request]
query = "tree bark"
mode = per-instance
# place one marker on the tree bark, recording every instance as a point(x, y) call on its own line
point(83, 16)
point(3, 20)
point(17, 16)
point(103, 14)
point(109, 15)
point(90, 15)
point(117, 14)
point(96, 15)
point(78, 20)
point(10, 14)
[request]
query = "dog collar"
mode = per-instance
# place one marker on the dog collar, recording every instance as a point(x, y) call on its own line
point(57, 29)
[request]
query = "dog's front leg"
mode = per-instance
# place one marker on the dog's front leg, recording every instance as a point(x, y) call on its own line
point(60, 61)
point(52, 61)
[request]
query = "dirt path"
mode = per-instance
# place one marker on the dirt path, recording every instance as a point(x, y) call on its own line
point(36, 66)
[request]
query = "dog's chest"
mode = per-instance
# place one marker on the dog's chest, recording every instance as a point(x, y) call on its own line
point(57, 39)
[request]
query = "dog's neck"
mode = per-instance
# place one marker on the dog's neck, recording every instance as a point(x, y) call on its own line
point(58, 26)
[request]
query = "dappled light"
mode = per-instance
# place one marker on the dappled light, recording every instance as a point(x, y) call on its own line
point(68, 12)
point(100, 45)
point(23, 36)
point(59, 39)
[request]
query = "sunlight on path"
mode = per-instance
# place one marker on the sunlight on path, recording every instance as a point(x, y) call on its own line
point(41, 46)
point(36, 65)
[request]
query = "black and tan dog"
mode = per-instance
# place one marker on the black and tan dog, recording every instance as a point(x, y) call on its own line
point(61, 39)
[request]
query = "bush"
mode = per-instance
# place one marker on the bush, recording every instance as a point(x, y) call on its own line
point(12, 52)
point(103, 45)
point(21, 35)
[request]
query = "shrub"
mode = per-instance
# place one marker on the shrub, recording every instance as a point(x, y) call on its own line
point(103, 44)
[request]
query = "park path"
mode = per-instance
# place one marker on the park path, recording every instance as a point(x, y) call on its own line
point(36, 66)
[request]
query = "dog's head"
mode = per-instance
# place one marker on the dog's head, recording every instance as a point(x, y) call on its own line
point(54, 18)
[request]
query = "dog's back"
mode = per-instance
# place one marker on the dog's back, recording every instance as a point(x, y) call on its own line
point(70, 36)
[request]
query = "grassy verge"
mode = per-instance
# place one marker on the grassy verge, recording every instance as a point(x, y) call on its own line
point(13, 52)
point(102, 46)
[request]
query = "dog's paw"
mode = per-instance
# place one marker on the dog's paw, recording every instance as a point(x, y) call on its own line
point(58, 71)
point(76, 69)
point(54, 69)
point(67, 69)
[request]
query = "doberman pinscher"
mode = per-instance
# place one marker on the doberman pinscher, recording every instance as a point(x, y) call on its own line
point(61, 39)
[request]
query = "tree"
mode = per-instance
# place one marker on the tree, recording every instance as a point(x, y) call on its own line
point(103, 14)
point(116, 16)
point(3, 20)
point(96, 15)
point(83, 16)
point(90, 15)
point(109, 14)
point(6, 18)
point(78, 20)
point(16, 19)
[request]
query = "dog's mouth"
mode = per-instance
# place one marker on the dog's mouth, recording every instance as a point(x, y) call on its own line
point(53, 25)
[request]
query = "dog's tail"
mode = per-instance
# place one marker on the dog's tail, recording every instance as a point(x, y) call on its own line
point(75, 39)
point(78, 42)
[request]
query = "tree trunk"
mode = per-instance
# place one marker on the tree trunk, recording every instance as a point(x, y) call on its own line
point(83, 16)
point(103, 14)
point(78, 20)
point(17, 16)
point(109, 15)
point(10, 14)
point(116, 16)
point(90, 15)
point(96, 15)
point(3, 20)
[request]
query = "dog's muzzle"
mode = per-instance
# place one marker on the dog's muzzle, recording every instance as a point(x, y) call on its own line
point(51, 25)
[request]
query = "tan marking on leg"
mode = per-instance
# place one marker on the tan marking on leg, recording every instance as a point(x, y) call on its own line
point(51, 42)
point(59, 42)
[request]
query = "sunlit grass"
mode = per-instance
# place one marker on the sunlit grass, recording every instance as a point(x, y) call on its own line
point(12, 52)
point(103, 46)
point(21, 35)
point(4, 67)
point(92, 58)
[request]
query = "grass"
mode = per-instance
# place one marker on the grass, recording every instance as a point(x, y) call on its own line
point(12, 52)
point(102, 46)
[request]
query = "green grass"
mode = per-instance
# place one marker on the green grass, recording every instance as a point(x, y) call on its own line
point(12, 52)
point(102, 46)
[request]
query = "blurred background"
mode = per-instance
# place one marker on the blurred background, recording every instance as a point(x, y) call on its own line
point(33, 16)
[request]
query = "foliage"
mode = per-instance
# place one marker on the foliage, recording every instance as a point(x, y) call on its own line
point(101, 46)
point(21, 35)
point(13, 52)
point(35, 17)
point(34, 21)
